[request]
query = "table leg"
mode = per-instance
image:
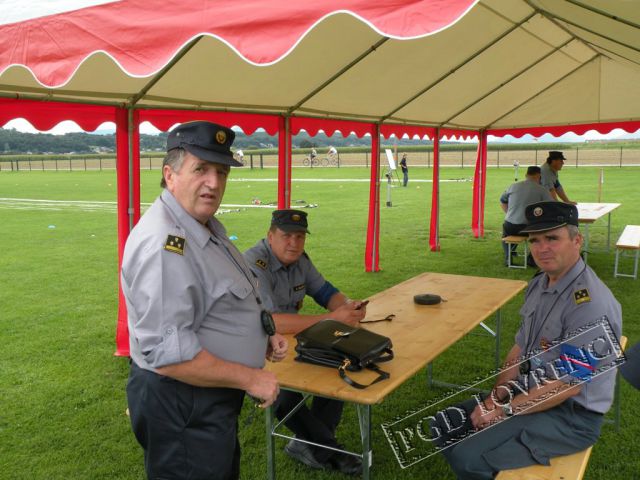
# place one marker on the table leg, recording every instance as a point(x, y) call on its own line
point(271, 451)
point(609, 232)
point(498, 317)
point(364, 417)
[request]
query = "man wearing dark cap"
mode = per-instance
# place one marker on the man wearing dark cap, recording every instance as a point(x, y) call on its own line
point(286, 275)
point(549, 176)
point(198, 330)
point(513, 202)
point(558, 416)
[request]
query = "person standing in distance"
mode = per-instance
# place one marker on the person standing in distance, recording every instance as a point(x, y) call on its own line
point(286, 275)
point(405, 170)
point(198, 330)
point(549, 176)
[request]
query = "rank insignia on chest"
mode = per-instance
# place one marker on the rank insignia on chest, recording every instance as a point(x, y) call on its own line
point(261, 263)
point(581, 296)
point(545, 344)
point(175, 244)
point(297, 288)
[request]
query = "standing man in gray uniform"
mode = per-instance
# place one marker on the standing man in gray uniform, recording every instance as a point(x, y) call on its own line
point(549, 178)
point(285, 275)
point(198, 330)
point(513, 202)
point(566, 297)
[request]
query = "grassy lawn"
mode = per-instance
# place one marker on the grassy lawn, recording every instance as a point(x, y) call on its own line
point(62, 397)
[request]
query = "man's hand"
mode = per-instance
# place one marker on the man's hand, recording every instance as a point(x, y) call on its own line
point(277, 348)
point(484, 416)
point(263, 386)
point(349, 313)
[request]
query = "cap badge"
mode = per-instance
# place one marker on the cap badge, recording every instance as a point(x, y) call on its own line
point(295, 217)
point(537, 211)
point(221, 137)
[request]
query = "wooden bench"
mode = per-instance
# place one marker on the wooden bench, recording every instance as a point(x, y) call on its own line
point(567, 467)
point(515, 240)
point(629, 240)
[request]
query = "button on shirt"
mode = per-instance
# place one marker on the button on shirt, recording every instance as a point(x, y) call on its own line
point(580, 298)
point(521, 194)
point(283, 288)
point(197, 296)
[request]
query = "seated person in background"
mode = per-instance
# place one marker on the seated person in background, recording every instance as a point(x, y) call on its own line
point(513, 202)
point(285, 275)
point(556, 417)
point(549, 176)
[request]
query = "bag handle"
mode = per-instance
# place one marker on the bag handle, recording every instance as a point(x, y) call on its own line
point(382, 375)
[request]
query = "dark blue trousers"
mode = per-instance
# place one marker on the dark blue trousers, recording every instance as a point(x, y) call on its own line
point(186, 432)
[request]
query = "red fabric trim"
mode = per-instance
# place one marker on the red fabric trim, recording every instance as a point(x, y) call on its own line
point(459, 133)
point(122, 181)
point(372, 247)
point(142, 37)
point(559, 130)
point(434, 225)
point(44, 115)
point(411, 130)
point(329, 126)
point(248, 122)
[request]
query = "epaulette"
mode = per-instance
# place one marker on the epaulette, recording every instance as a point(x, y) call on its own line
point(261, 263)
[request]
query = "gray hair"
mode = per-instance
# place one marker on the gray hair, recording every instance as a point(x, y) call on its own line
point(573, 231)
point(174, 159)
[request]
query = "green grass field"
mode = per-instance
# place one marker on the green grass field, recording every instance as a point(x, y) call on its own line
point(62, 397)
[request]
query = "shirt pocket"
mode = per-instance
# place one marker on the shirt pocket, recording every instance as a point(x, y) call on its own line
point(235, 310)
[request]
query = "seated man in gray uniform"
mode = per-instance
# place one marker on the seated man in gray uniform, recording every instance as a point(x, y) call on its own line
point(567, 296)
point(285, 275)
point(513, 202)
point(198, 331)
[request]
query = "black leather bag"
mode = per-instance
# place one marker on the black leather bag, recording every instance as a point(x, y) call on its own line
point(336, 344)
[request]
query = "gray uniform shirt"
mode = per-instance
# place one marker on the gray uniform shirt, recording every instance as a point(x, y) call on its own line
point(283, 288)
point(548, 314)
point(549, 177)
point(188, 289)
point(521, 194)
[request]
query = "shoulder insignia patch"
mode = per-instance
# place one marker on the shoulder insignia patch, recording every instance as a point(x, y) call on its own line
point(297, 288)
point(261, 263)
point(581, 296)
point(175, 244)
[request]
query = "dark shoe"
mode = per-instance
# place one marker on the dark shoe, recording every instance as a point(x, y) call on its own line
point(302, 452)
point(345, 463)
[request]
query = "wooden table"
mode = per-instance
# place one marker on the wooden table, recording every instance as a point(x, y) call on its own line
point(588, 213)
point(419, 334)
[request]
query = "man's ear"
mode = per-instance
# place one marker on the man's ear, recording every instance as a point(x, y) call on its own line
point(168, 174)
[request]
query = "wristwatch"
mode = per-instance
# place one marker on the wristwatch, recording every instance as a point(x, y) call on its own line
point(507, 409)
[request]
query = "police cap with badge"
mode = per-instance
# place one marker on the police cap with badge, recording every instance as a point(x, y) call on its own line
point(544, 216)
point(206, 140)
point(290, 220)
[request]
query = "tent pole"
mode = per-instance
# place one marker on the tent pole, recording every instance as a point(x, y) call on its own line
point(372, 247)
point(434, 230)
